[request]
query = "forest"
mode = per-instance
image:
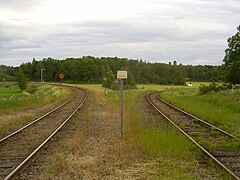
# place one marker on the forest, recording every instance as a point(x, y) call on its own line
point(88, 69)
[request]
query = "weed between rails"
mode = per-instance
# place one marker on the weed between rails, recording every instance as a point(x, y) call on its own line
point(60, 164)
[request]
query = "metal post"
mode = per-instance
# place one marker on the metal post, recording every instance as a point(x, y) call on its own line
point(105, 87)
point(105, 84)
point(42, 78)
point(121, 107)
point(41, 74)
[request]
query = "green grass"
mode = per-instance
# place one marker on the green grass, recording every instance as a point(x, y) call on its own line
point(221, 109)
point(13, 103)
point(12, 99)
point(8, 90)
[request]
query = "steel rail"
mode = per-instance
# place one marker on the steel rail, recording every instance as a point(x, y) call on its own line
point(189, 137)
point(36, 120)
point(200, 120)
point(9, 176)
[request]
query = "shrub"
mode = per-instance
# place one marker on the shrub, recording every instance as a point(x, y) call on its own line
point(32, 89)
point(22, 80)
point(214, 87)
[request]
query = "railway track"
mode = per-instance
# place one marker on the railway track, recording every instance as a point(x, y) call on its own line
point(19, 147)
point(212, 141)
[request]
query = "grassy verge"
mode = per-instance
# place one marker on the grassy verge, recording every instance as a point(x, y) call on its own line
point(221, 109)
point(14, 103)
point(12, 99)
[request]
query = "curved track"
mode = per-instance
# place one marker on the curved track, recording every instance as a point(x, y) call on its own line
point(210, 139)
point(17, 148)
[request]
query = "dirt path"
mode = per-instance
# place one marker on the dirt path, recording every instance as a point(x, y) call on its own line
point(89, 147)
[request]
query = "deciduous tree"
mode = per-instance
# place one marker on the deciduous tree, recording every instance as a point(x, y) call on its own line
point(22, 80)
point(232, 59)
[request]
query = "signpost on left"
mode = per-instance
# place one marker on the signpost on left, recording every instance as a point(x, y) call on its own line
point(42, 78)
point(61, 76)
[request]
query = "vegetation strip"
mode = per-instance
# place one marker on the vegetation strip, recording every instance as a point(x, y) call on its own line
point(229, 168)
point(202, 121)
point(31, 137)
point(221, 109)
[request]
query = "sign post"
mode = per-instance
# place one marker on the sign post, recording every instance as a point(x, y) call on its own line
point(61, 76)
point(120, 76)
point(105, 84)
point(42, 78)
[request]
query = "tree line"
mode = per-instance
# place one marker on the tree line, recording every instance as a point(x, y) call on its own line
point(90, 69)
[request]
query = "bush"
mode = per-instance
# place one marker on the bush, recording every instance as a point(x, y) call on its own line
point(214, 87)
point(22, 80)
point(32, 89)
point(110, 82)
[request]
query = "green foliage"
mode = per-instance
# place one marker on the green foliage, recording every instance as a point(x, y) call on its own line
point(204, 73)
point(221, 109)
point(213, 87)
point(11, 99)
point(109, 82)
point(32, 89)
point(211, 146)
point(197, 123)
point(130, 83)
point(92, 70)
point(233, 145)
point(214, 132)
point(195, 134)
point(7, 74)
point(232, 59)
point(22, 80)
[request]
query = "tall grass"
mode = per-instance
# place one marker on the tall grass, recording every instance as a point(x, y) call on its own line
point(164, 143)
point(13, 104)
point(221, 109)
point(12, 99)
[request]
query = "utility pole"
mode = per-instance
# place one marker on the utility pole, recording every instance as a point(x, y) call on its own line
point(105, 84)
point(42, 78)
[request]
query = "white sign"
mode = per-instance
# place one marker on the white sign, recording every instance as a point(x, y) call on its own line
point(121, 74)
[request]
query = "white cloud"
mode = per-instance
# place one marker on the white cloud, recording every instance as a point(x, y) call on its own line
point(191, 31)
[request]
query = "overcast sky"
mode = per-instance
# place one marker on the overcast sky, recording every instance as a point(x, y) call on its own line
point(188, 31)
